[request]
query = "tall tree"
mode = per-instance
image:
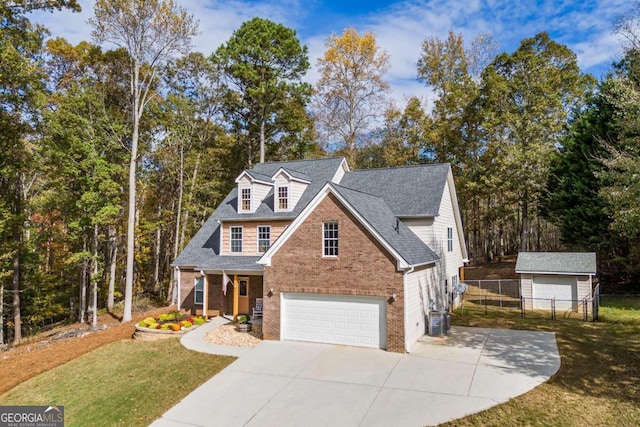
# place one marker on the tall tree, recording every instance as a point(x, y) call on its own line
point(263, 63)
point(151, 32)
point(530, 95)
point(22, 94)
point(351, 93)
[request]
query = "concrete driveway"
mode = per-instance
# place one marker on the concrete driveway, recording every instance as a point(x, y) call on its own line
point(283, 383)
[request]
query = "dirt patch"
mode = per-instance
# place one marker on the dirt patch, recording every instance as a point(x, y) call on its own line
point(496, 270)
point(54, 348)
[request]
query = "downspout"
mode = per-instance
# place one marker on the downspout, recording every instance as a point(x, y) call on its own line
point(179, 282)
point(406, 312)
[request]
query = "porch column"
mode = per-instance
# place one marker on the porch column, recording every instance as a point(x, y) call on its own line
point(205, 305)
point(236, 293)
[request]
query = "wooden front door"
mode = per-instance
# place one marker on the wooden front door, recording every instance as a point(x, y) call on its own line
point(243, 295)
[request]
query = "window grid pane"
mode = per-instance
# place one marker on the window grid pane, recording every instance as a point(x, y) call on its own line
point(236, 239)
point(330, 239)
point(264, 238)
point(283, 198)
point(246, 199)
point(198, 295)
point(450, 239)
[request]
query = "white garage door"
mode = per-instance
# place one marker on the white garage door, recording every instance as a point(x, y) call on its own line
point(334, 319)
point(561, 288)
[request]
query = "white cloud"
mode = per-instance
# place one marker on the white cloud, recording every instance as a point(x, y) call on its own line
point(584, 25)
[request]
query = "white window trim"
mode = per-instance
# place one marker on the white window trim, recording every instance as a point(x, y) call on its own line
point(324, 239)
point(288, 188)
point(242, 199)
point(231, 239)
point(195, 290)
point(449, 239)
point(258, 238)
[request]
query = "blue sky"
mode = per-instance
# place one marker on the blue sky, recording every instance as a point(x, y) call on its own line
point(583, 25)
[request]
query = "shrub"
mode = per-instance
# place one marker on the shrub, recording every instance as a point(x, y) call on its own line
point(149, 320)
point(199, 321)
point(186, 324)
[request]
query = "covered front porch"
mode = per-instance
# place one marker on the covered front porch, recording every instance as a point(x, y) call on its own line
point(210, 296)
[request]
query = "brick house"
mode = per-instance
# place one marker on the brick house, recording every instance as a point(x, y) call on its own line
point(338, 256)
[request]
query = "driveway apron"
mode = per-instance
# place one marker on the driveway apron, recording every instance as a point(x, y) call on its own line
point(286, 383)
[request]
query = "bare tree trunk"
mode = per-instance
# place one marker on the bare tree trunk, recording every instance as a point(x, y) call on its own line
point(94, 279)
point(1, 312)
point(172, 286)
point(113, 250)
point(83, 284)
point(133, 163)
point(17, 319)
point(524, 231)
point(194, 178)
point(262, 141)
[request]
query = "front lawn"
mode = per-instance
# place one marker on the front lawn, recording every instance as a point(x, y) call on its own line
point(128, 383)
point(598, 383)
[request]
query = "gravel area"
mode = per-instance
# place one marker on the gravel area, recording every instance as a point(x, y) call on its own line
point(228, 335)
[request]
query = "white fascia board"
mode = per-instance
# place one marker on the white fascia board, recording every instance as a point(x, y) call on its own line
point(555, 273)
point(456, 214)
point(402, 264)
point(252, 179)
point(289, 176)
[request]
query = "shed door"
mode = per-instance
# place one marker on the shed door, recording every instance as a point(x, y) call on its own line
point(561, 288)
point(334, 319)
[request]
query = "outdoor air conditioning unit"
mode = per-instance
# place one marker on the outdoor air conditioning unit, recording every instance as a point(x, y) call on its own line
point(438, 323)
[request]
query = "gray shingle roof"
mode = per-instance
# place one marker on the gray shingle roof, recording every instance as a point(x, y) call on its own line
point(202, 252)
point(556, 262)
point(318, 171)
point(408, 191)
point(376, 212)
point(379, 195)
point(260, 177)
point(298, 175)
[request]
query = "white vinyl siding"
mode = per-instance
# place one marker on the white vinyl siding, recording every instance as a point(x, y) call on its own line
point(198, 291)
point(295, 192)
point(257, 191)
point(420, 290)
point(235, 239)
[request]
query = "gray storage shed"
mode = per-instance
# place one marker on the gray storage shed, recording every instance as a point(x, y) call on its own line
point(562, 278)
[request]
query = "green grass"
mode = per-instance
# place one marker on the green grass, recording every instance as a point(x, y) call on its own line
point(127, 383)
point(598, 383)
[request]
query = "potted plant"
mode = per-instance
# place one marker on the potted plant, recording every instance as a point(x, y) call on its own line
point(243, 324)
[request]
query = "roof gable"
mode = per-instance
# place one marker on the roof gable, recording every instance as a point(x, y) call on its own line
point(408, 191)
point(376, 217)
point(557, 262)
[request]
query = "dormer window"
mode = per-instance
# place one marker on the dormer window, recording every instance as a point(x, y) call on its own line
point(246, 199)
point(283, 198)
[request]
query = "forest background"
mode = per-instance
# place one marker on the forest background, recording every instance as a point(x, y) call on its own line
point(112, 158)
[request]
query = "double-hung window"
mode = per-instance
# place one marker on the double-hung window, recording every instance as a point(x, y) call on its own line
point(246, 199)
point(330, 238)
point(235, 241)
point(449, 239)
point(264, 238)
point(198, 291)
point(283, 198)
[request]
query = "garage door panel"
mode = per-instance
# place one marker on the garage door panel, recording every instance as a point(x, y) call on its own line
point(349, 320)
point(561, 288)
